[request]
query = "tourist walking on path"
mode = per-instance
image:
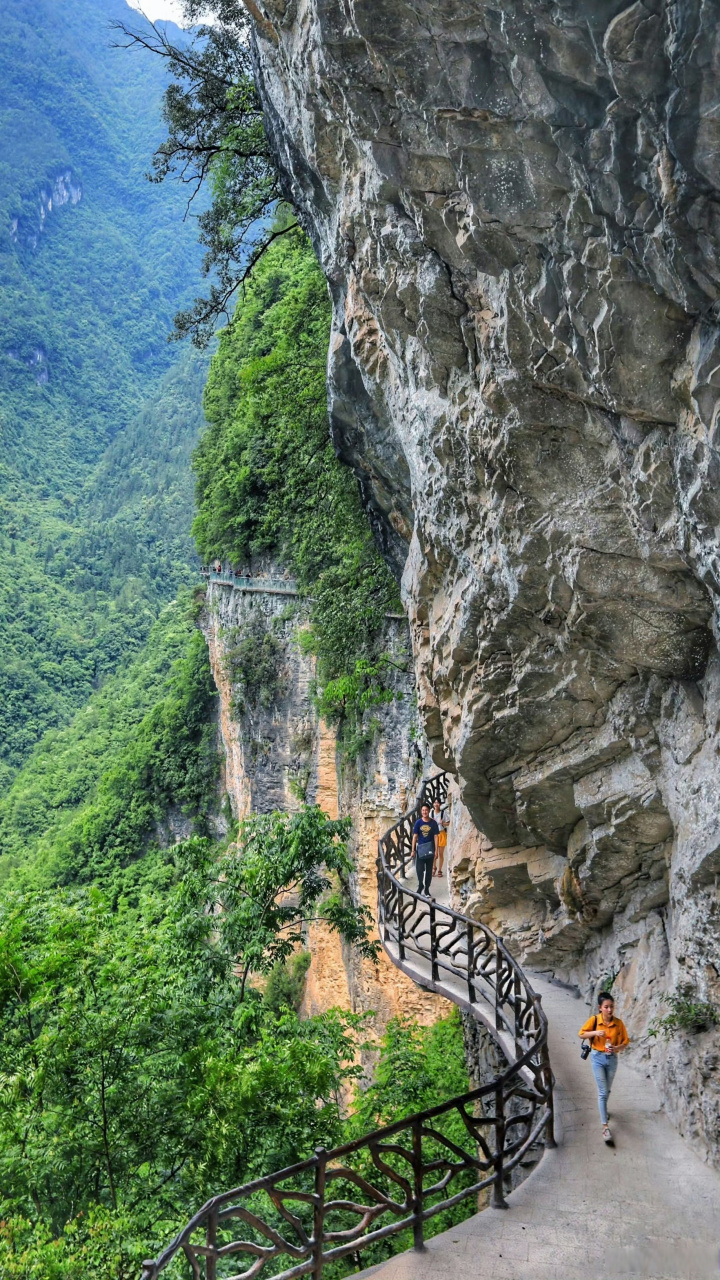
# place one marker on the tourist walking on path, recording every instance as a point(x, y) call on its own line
point(442, 825)
point(608, 1038)
point(424, 847)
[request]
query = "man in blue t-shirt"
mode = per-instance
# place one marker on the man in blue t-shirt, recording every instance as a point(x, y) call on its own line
point(424, 846)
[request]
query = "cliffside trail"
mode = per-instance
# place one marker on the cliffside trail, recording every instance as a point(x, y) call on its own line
point(648, 1208)
point(516, 209)
point(644, 1210)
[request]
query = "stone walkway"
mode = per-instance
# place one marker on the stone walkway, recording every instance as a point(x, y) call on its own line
point(647, 1209)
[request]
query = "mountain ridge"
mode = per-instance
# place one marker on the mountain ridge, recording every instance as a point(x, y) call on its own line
point(94, 262)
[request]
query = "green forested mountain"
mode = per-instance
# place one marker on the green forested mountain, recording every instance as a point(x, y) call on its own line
point(151, 1051)
point(98, 412)
point(92, 794)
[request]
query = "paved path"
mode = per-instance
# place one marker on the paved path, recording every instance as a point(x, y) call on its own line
point(648, 1209)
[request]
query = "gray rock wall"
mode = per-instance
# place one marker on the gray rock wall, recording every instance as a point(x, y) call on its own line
point(517, 209)
point(269, 732)
point(278, 753)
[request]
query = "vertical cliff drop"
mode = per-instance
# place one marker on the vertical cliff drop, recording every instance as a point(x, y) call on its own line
point(279, 754)
point(517, 212)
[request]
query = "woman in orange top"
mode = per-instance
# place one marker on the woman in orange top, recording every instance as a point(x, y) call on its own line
point(608, 1038)
point(442, 838)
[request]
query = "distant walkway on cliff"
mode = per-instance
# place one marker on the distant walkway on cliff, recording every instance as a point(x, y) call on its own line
point(226, 577)
point(649, 1209)
point(244, 582)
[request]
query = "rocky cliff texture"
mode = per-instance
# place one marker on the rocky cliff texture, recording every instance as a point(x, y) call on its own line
point(279, 754)
point(62, 189)
point(517, 209)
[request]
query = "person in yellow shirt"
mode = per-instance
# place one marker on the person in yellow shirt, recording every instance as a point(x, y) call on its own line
point(442, 825)
point(608, 1038)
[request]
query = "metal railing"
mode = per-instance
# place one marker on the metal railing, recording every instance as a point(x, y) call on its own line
point(341, 1202)
point(244, 582)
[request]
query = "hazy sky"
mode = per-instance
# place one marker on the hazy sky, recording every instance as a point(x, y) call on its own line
point(159, 8)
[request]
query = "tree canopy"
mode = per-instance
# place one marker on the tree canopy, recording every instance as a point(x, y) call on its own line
point(215, 139)
point(139, 1068)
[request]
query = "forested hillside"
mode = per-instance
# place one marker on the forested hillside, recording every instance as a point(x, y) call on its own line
point(92, 794)
point(148, 984)
point(151, 947)
point(98, 412)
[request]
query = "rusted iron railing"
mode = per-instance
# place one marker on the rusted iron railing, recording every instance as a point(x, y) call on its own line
point(341, 1202)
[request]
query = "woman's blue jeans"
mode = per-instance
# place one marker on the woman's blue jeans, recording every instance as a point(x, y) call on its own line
point(604, 1067)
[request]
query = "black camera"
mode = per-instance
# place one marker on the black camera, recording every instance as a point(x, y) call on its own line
point(585, 1050)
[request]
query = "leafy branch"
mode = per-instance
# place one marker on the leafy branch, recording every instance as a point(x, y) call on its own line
point(216, 139)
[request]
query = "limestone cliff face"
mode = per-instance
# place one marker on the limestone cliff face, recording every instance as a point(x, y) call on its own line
point(517, 207)
point(278, 754)
point(63, 188)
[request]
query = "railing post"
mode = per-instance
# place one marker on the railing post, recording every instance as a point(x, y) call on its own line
point(319, 1212)
point(418, 1241)
point(211, 1243)
point(470, 962)
point(434, 971)
point(407, 849)
point(498, 983)
point(382, 914)
point(401, 925)
point(517, 991)
point(547, 1079)
point(498, 1199)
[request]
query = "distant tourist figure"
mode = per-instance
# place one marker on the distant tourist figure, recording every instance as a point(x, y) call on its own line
point(608, 1038)
point(442, 825)
point(218, 567)
point(424, 847)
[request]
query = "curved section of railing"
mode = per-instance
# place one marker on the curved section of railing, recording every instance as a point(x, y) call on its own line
point(340, 1203)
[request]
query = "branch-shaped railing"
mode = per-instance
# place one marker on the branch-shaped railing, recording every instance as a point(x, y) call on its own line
point(339, 1203)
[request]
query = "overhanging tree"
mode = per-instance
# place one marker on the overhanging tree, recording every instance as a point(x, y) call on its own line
point(216, 140)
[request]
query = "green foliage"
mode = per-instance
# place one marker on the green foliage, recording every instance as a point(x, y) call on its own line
point(100, 1243)
point(253, 656)
point(90, 800)
point(286, 985)
point(360, 688)
point(139, 1069)
point(98, 417)
point(418, 1067)
point(269, 480)
point(256, 901)
point(687, 1013)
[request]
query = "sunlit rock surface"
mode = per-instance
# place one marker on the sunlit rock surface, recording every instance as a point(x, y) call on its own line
point(516, 205)
point(279, 754)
